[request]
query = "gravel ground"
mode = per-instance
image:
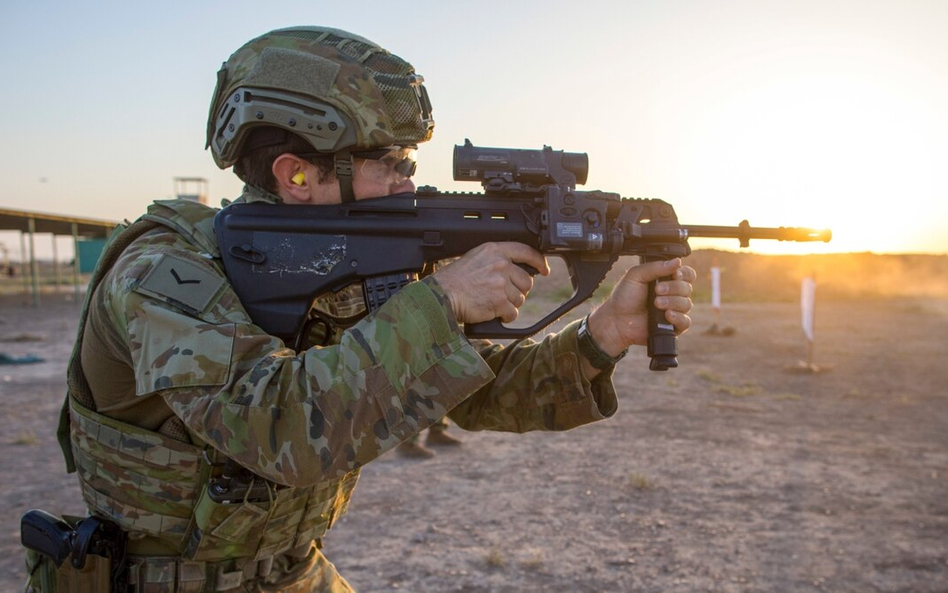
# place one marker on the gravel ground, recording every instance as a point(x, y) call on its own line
point(730, 473)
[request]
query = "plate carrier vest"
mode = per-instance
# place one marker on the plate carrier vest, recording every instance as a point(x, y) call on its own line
point(121, 467)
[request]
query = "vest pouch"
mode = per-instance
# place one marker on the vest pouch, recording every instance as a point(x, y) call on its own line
point(225, 530)
point(257, 530)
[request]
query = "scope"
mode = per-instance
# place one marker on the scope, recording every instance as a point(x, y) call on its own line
point(517, 165)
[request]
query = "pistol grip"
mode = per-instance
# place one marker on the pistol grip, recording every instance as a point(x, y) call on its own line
point(662, 341)
point(47, 534)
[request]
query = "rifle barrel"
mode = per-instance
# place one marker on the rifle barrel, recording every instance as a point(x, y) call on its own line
point(744, 232)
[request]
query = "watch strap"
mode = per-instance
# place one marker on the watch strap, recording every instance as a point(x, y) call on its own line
point(591, 350)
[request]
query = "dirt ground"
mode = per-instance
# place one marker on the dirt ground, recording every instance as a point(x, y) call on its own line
point(729, 473)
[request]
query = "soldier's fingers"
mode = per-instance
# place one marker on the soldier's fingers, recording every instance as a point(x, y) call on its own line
point(681, 321)
point(515, 296)
point(521, 280)
point(508, 312)
point(524, 254)
point(687, 274)
point(674, 287)
point(680, 304)
point(653, 270)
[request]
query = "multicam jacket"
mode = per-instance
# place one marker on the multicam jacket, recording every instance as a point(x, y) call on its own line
point(167, 343)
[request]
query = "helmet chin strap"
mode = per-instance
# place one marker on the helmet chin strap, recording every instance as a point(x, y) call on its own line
point(343, 163)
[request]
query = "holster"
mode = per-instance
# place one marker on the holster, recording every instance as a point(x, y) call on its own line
point(44, 577)
point(73, 554)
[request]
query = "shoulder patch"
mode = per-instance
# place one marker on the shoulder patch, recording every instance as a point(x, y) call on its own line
point(183, 282)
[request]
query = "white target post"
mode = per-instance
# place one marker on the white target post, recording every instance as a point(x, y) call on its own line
point(808, 316)
point(716, 292)
point(808, 322)
point(716, 328)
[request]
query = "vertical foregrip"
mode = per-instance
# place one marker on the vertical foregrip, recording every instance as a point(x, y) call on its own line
point(662, 341)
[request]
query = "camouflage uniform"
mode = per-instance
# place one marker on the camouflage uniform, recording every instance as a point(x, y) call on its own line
point(181, 380)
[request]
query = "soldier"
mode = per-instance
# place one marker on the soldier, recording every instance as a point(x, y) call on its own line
point(223, 455)
point(437, 436)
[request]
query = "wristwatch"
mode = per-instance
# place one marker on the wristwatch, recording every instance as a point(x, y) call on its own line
point(591, 350)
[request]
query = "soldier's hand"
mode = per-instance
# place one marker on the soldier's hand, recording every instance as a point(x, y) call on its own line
point(622, 320)
point(486, 283)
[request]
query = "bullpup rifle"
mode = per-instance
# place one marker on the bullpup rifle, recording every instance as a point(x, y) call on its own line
point(279, 258)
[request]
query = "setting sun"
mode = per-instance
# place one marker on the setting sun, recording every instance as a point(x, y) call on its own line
point(796, 139)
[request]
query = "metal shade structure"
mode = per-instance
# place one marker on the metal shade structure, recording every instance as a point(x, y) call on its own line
point(19, 220)
point(30, 223)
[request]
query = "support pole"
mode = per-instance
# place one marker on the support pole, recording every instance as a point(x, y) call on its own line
point(34, 266)
point(75, 259)
point(24, 269)
point(56, 264)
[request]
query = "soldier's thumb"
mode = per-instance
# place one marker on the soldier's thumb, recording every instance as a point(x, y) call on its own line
point(645, 273)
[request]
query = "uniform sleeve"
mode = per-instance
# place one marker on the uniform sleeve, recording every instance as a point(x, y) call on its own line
point(538, 386)
point(293, 418)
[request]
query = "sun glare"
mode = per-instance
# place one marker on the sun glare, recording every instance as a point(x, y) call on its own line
point(826, 145)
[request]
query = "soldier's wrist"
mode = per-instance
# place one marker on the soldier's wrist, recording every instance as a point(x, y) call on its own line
point(600, 357)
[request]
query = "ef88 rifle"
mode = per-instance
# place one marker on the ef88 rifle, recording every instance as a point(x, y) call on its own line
point(280, 258)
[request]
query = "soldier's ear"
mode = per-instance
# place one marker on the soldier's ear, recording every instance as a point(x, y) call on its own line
point(293, 178)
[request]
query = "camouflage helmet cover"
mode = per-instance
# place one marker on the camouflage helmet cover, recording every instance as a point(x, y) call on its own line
point(337, 90)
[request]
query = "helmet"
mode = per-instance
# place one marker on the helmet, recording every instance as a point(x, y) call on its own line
point(338, 91)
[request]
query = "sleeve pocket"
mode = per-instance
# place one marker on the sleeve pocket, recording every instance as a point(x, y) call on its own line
point(173, 350)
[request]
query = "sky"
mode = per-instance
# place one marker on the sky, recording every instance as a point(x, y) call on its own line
point(830, 113)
